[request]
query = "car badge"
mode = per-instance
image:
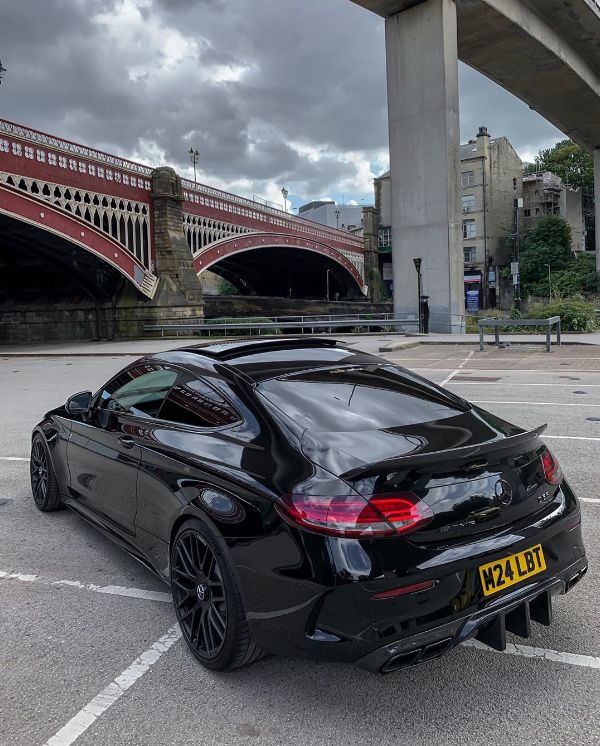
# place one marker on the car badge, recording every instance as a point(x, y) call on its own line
point(503, 492)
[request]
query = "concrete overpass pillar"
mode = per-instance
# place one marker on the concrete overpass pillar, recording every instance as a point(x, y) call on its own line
point(597, 204)
point(422, 77)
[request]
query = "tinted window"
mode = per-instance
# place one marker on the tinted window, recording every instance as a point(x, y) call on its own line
point(194, 402)
point(139, 390)
point(358, 399)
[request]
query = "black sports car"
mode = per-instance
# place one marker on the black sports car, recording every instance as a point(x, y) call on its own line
point(304, 498)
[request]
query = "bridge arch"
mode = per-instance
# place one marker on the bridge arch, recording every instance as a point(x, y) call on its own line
point(75, 231)
point(231, 257)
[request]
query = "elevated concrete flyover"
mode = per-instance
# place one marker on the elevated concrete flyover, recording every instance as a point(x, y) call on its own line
point(545, 52)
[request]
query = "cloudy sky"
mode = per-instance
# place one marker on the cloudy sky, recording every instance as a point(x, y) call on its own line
point(270, 92)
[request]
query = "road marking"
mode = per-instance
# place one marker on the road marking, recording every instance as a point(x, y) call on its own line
point(111, 590)
point(568, 437)
point(525, 651)
point(96, 707)
point(513, 383)
point(14, 458)
point(454, 372)
point(504, 371)
point(534, 403)
point(589, 500)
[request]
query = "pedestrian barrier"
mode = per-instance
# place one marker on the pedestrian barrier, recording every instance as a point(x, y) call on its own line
point(497, 323)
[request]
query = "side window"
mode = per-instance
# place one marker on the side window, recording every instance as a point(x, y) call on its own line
point(192, 401)
point(139, 391)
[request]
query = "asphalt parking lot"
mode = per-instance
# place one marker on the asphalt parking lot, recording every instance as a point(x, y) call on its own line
point(90, 655)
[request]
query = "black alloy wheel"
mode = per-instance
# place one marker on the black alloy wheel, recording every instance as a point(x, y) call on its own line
point(207, 601)
point(43, 480)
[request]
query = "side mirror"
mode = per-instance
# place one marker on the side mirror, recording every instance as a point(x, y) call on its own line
point(79, 403)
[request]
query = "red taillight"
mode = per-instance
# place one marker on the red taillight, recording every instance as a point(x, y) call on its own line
point(552, 471)
point(355, 516)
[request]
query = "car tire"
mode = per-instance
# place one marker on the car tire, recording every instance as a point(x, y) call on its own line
point(207, 600)
point(44, 485)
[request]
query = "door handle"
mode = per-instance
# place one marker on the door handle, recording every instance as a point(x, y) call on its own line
point(127, 441)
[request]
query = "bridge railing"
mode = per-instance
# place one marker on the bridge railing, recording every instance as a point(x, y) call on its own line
point(258, 207)
point(42, 138)
point(402, 323)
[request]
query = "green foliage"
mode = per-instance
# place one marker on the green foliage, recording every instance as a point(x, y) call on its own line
point(567, 160)
point(227, 288)
point(549, 243)
point(579, 277)
point(576, 314)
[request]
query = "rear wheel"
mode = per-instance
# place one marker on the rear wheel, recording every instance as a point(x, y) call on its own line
point(43, 480)
point(207, 600)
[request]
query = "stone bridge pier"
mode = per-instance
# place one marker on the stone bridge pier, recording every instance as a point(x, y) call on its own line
point(178, 296)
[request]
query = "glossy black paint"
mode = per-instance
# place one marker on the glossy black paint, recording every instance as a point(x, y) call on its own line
point(138, 477)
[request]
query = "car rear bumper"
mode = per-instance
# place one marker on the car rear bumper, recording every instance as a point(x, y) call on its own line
point(513, 612)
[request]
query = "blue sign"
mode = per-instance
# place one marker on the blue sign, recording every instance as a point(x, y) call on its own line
point(472, 301)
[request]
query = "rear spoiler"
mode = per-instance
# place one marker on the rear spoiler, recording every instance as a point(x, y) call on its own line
point(514, 442)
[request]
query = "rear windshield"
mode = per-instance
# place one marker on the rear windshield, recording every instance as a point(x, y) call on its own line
point(359, 398)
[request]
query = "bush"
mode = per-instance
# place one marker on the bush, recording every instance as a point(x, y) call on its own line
point(576, 314)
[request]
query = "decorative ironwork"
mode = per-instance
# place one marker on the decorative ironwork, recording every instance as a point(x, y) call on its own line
point(202, 232)
point(122, 220)
point(211, 197)
point(24, 133)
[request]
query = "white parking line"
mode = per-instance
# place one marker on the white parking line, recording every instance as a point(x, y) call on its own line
point(464, 362)
point(524, 651)
point(513, 383)
point(88, 715)
point(568, 437)
point(589, 500)
point(533, 403)
point(14, 458)
point(111, 590)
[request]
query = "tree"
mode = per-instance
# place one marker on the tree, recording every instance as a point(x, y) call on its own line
point(567, 160)
point(548, 242)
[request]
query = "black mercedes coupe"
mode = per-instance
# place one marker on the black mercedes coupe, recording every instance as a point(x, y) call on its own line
point(305, 498)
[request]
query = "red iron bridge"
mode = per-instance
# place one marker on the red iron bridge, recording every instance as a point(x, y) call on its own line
point(95, 215)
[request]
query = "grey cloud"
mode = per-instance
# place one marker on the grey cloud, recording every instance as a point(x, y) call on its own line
point(314, 74)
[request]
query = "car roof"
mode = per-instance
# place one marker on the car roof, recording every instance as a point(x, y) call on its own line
point(260, 359)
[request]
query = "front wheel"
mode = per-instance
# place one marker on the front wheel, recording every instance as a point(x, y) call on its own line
point(44, 486)
point(207, 600)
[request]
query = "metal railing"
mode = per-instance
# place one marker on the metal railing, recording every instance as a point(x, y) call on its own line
point(301, 323)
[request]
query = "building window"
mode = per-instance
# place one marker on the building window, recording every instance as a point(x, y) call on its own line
point(385, 237)
point(467, 178)
point(469, 229)
point(537, 210)
point(468, 203)
point(470, 253)
point(527, 212)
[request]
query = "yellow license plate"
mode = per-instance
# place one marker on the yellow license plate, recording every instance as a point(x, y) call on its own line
point(501, 574)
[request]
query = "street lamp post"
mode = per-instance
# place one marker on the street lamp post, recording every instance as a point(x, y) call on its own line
point(337, 219)
point(194, 155)
point(549, 282)
point(327, 276)
point(285, 194)
point(2, 71)
point(418, 261)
